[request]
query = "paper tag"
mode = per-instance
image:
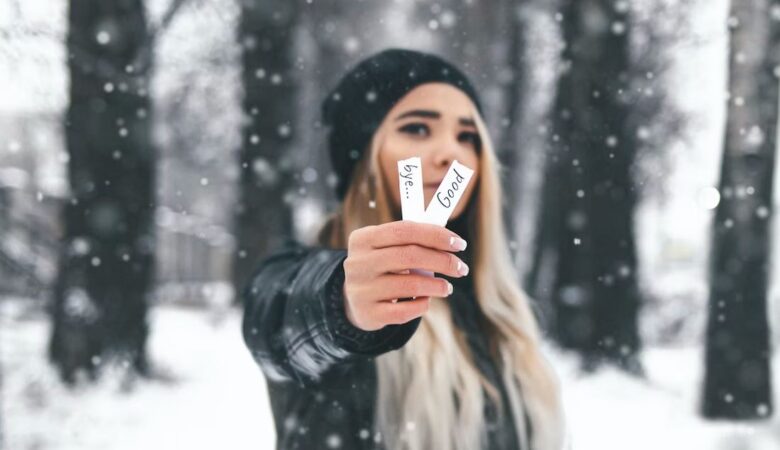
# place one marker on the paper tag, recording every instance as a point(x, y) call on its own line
point(448, 194)
point(444, 200)
point(411, 185)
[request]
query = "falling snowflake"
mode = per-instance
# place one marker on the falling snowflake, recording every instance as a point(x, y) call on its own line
point(351, 44)
point(333, 441)
point(309, 175)
point(264, 171)
point(618, 27)
point(78, 304)
point(103, 37)
point(448, 19)
point(755, 136)
point(709, 198)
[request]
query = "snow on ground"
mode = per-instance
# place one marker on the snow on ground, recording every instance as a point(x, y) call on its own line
point(612, 411)
point(217, 398)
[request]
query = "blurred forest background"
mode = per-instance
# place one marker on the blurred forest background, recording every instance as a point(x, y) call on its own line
point(151, 152)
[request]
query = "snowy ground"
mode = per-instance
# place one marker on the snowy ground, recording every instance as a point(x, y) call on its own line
point(217, 397)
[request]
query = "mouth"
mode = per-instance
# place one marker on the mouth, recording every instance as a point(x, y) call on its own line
point(432, 185)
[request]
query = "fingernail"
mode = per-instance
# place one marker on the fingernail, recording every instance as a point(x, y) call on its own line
point(449, 288)
point(463, 269)
point(457, 243)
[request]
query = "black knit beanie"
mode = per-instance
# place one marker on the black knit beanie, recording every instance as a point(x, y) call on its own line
point(356, 107)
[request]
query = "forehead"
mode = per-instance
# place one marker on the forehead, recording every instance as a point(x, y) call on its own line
point(442, 97)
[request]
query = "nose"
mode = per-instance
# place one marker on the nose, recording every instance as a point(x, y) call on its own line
point(445, 151)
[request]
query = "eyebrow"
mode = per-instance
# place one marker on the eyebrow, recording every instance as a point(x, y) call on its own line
point(433, 115)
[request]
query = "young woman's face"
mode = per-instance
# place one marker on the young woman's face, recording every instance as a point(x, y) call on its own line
point(432, 121)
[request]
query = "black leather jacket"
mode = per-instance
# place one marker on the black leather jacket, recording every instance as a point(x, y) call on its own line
point(320, 368)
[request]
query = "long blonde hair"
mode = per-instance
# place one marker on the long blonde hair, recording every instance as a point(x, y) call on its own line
point(430, 393)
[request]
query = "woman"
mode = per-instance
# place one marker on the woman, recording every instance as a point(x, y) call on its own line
point(456, 364)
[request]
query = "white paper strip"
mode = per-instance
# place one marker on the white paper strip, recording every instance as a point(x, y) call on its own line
point(412, 195)
point(448, 194)
point(411, 186)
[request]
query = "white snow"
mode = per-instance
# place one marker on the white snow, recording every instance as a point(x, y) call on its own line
point(217, 396)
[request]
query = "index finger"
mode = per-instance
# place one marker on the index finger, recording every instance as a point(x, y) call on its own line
point(404, 232)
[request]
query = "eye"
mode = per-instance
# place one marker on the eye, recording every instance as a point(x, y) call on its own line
point(417, 129)
point(472, 138)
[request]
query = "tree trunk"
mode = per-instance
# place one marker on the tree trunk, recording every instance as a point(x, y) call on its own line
point(106, 259)
point(263, 217)
point(586, 233)
point(513, 81)
point(737, 383)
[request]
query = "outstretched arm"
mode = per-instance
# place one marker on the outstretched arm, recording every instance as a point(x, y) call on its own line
point(295, 322)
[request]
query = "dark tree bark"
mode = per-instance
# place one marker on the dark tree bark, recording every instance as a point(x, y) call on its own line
point(737, 383)
point(263, 216)
point(513, 82)
point(586, 232)
point(106, 261)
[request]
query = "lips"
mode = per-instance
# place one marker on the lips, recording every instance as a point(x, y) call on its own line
point(433, 184)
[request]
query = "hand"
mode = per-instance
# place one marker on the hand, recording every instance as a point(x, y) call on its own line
point(377, 271)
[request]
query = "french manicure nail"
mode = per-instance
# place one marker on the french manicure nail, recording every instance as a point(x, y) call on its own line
point(449, 288)
point(457, 243)
point(463, 269)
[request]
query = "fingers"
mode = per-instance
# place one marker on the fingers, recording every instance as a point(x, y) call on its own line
point(392, 286)
point(405, 257)
point(379, 270)
point(404, 232)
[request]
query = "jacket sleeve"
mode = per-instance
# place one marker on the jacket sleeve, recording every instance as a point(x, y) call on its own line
point(294, 320)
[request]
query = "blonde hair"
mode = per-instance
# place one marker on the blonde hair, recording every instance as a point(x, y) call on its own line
point(430, 391)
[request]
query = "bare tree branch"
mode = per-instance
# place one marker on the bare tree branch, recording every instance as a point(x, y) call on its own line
point(166, 19)
point(142, 60)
